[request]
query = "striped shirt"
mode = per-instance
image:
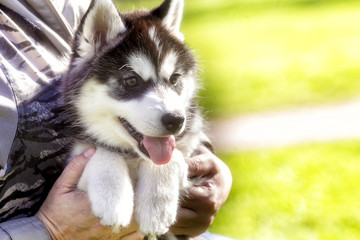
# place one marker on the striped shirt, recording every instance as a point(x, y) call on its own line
point(34, 43)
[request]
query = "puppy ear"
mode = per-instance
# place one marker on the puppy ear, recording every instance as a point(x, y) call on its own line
point(100, 25)
point(170, 12)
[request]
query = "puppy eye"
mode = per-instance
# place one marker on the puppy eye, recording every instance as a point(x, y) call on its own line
point(174, 78)
point(131, 82)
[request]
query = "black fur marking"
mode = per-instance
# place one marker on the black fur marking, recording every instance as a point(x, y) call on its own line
point(162, 10)
point(136, 135)
point(177, 87)
point(191, 112)
point(136, 41)
point(129, 153)
point(109, 67)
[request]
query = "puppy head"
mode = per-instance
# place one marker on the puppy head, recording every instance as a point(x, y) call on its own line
point(132, 80)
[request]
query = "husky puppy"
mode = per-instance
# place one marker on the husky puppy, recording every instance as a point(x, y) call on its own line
point(129, 92)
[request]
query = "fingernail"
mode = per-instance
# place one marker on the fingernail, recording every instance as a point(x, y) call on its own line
point(89, 152)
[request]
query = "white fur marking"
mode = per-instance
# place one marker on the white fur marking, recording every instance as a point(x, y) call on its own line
point(143, 66)
point(103, 18)
point(97, 113)
point(154, 38)
point(168, 65)
point(173, 18)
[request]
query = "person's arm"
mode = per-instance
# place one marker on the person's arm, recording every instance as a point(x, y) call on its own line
point(66, 212)
point(204, 200)
point(30, 228)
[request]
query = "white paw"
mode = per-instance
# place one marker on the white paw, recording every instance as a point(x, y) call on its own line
point(107, 181)
point(113, 211)
point(150, 225)
point(155, 217)
point(157, 194)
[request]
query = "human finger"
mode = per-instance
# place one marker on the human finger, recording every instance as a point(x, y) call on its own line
point(72, 172)
point(200, 165)
point(202, 200)
point(189, 223)
point(186, 217)
point(133, 236)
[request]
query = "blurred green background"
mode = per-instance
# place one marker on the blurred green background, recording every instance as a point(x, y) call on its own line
point(258, 55)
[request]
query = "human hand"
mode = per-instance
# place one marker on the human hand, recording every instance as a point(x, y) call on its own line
point(198, 210)
point(67, 214)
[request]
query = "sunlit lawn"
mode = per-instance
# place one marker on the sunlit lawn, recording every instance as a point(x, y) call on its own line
point(276, 56)
point(303, 192)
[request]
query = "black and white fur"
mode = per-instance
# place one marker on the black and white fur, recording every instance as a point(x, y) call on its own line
point(131, 75)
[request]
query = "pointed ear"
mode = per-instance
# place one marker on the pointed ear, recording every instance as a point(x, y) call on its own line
point(101, 24)
point(170, 12)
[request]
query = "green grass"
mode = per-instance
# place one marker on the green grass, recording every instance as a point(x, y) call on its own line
point(303, 192)
point(260, 58)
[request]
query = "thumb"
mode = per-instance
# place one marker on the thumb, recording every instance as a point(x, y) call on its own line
point(72, 172)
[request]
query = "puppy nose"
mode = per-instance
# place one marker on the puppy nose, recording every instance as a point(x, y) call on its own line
point(173, 122)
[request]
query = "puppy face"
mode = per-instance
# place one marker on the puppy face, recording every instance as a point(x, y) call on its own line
point(134, 82)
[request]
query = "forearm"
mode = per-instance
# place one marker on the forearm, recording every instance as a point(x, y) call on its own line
point(30, 228)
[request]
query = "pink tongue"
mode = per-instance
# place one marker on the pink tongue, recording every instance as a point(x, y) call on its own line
point(160, 149)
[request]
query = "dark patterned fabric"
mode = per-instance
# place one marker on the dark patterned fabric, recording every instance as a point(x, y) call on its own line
point(37, 155)
point(30, 60)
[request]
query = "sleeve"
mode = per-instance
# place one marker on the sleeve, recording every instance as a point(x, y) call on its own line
point(24, 229)
point(73, 11)
point(55, 21)
point(8, 120)
point(19, 50)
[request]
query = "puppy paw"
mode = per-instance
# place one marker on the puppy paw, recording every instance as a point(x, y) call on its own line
point(155, 219)
point(157, 196)
point(107, 181)
point(113, 212)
